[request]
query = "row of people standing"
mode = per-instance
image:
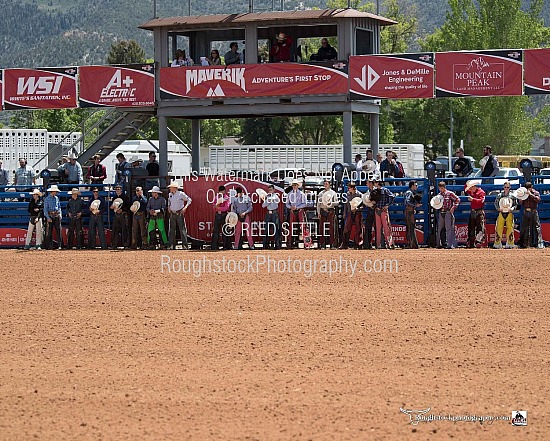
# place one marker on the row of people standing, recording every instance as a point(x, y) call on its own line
point(135, 222)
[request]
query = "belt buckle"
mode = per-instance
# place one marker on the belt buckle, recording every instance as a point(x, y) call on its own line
point(528, 209)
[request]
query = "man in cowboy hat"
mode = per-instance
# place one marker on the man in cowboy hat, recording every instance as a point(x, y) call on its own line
point(52, 212)
point(280, 50)
point(505, 217)
point(411, 203)
point(35, 209)
point(446, 217)
point(327, 201)
point(156, 206)
point(139, 204)
point(119, 236)
point(97, 172)
point(221, 205)
point(272, 220)
point(72, 170)
point(178, 203)
point(296, 201)
point(531, 222)
point(242, 206)
point(476, 221)
point(382, 215)
point(352, 217)
point(139, 173)
point(75, 208)
point(96, 220)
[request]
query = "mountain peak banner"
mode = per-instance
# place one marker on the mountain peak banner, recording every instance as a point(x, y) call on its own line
point(479, 73)
point(44, 88)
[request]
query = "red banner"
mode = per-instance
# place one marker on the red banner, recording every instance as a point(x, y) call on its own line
point(537, 71)
point(1, 90)
point(252, 80)
point(392, 76)
point(117, 86)
point(199, 219)
point(48, 88)
point(483, 73)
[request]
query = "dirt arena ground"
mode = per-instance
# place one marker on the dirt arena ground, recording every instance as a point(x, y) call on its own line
point(103, 345)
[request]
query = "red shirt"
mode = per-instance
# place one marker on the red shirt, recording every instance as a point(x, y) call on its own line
point(283, 54)
point(478, 198)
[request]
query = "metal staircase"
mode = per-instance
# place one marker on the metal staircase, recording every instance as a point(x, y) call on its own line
point(127, 124)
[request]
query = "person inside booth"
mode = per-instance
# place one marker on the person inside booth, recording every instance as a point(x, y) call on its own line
point(280, 50)
point(325, 53)
point(181, 59)
point(214, 59)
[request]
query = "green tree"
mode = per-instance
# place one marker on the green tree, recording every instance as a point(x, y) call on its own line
point(259, 131)
point(126, 52)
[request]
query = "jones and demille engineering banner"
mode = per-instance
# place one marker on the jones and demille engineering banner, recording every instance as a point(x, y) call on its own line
point(537, 71)
point(253, 80)
point(392, 76)
point(480, 73)
point(131, 85)
point(42, 88)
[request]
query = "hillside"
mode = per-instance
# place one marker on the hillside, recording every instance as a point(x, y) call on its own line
point(64, 32)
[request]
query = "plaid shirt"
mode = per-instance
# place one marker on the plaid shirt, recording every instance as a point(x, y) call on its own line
point(450, 200)
point(51, 203)
point(386, 198)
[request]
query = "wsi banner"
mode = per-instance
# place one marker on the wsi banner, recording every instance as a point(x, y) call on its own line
point(117, 86)
point(480, 73)
point(253, 80)
point(46, 88)
point(392, 76)
point(536, 71)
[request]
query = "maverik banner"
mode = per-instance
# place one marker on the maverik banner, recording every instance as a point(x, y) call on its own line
point(392, 76)
point(482, 73)
point(47, 88)
point(117, 86)
point(537, 71)
point(253, 80)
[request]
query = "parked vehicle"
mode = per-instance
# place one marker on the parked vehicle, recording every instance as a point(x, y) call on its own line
point(503, 175)
point(545, 172)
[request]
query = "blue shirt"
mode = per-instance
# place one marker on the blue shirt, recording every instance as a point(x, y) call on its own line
point(386, 198)
point(156, 204)
point(296, 198)
point(24, 175)
point(241, 205)
point(271, 201)
point(51, 203)
point(74, 171)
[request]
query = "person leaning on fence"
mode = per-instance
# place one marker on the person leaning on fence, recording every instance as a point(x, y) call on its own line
point(272, 233)
point(531, 222)
point(221, 206)
point(75, 209)
point(327, 201)
point(352, 217)
point(505, 217)
point(24, 175)
point(156, 207)
point(412, 201)
point(97, 207)
point(72, 170)
point(296, 201)
point(35, 209)
point(178, 203)
point(97, 172)
point(446, 218)
point(139, 209)
point(52, 212)
point(120, 237)
point(476, 221)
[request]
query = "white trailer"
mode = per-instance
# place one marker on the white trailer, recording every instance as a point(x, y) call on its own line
point(313, 158)
point(179, 159)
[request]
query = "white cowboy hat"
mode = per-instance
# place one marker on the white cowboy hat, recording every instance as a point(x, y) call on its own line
point(53, 188)
point(483, 161)
point(231, 219)
point(437, 202)
point(355, 202)
point(328, 199)
point(367, 201)
point(134, 159)
point(505, 204)
point(94, 206)
point(155, 189)
point(369, 165)
point(522, 193)
point(118, 201)
point(174, 184)
point(471, 183)
point(74, 191)
point(135, 207)
point(72, 156)
point(262, 193)
point(36, 191)
point(295, 181)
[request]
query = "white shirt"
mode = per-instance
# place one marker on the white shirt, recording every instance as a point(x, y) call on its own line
point(178, 200)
